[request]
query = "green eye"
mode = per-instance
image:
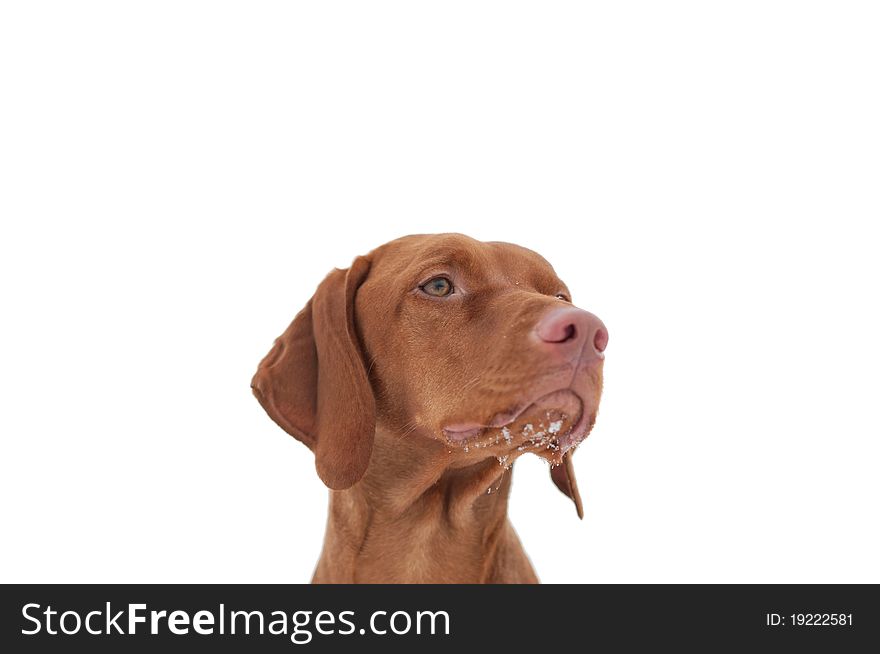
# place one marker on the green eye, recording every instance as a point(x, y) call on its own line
point(438, 287)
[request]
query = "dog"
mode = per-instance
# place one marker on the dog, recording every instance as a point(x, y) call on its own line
point(417, 377)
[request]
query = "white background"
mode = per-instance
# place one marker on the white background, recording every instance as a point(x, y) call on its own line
point(177, 177)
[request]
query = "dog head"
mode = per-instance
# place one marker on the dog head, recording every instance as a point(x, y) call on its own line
point(476, 345)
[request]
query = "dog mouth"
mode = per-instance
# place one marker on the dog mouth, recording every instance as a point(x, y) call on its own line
point(548, 426)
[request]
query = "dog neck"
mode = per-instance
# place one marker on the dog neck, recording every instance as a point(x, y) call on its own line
point(421, 516)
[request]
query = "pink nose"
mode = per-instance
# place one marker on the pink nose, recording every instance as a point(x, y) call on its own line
point(570, 330)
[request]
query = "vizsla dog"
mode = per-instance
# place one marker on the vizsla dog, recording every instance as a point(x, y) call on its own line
point(417, 377)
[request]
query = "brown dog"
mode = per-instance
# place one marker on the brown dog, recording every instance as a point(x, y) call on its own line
point(417, 377)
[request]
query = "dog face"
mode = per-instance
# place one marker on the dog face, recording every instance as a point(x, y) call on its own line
point(473, 344)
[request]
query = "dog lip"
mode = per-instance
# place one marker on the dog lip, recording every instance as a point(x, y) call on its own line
point(579, 431)
point(466, 430)
point(509, 417)
point(504, 418)
point(461, 432)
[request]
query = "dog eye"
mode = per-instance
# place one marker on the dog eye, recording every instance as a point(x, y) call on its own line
point(438, 287)
point(563, 297)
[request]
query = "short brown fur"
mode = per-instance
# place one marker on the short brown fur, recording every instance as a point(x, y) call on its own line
point(372, 371)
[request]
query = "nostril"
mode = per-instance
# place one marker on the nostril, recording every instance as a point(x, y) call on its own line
point(600, 340)
point(557, 332)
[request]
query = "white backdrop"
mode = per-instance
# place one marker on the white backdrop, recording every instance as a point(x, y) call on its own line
point(177, 177)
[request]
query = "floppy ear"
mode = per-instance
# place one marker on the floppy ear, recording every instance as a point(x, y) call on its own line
point(563, 477)
point(314, 384)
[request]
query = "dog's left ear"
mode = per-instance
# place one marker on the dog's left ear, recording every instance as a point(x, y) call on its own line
point(314, 384)
point(563, 477)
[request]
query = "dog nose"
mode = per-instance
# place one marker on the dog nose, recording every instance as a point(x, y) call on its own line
point(570, 330)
